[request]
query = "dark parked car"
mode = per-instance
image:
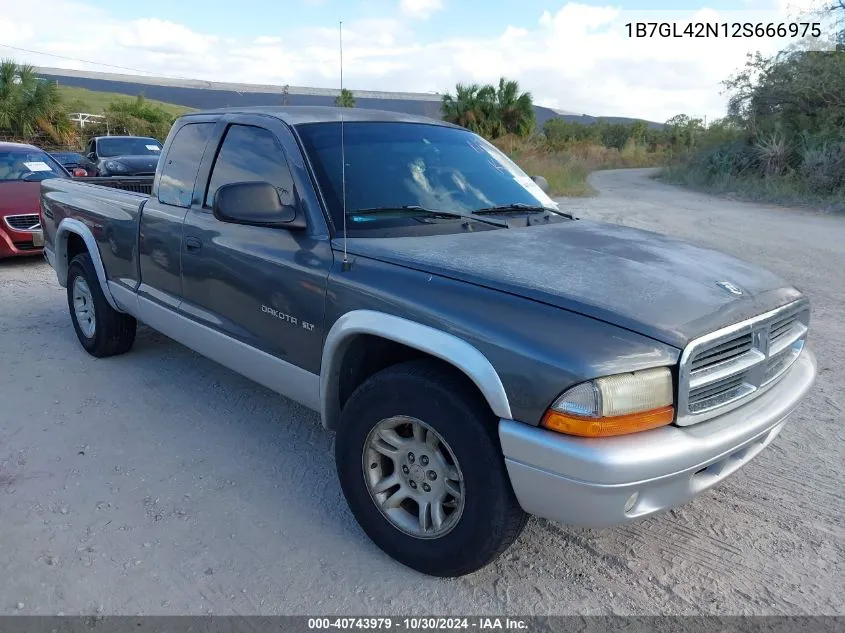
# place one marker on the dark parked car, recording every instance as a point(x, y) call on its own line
point(22, 168)
point(122, 156)
point(75, 164)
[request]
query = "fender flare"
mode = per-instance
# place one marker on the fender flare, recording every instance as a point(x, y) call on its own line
point(437, 343)
point(65, 228)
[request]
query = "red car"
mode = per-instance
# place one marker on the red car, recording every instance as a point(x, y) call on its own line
point(22, 168)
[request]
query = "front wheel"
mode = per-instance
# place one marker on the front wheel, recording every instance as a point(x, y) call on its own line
point(419, 462)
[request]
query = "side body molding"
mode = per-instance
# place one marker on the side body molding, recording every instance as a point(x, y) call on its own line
point(60, 262)
point(443, 345)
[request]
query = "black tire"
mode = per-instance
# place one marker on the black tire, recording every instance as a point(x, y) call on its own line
point(114, 332)
point(447, 402)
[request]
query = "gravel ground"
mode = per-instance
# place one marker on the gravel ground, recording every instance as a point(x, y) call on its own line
point(160, 483)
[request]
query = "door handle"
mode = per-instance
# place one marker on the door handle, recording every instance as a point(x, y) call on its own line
point(192, 244)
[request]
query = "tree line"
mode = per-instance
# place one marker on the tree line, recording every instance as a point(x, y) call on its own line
point(498, 110)
point(783, 135)
point(33, 108)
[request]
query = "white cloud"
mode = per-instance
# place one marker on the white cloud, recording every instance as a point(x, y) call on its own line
point(576, 17)
point(265, 40)
point(163, 36)
point(13, 33)
point(577, 58)
point(420, 9)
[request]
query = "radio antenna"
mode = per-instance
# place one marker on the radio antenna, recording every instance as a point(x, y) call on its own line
point(342, 151)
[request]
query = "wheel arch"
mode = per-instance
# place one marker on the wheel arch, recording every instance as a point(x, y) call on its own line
point(71, 226)
point(426, 340)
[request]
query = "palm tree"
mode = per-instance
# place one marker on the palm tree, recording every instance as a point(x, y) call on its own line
point(29, 105)
point(345, 99)
point(490, 111)
point(471, 107)
point(514, 111)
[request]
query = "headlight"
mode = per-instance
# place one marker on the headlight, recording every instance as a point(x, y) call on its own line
point(116, 167)
point(614, 405)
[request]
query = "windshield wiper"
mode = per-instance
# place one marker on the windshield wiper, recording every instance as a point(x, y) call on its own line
point(413, 209)
point(519, 207)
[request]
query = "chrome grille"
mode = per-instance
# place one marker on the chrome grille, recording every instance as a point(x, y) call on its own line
point(27, 222)
point(720, 386)
point(723, 353)
point(724, 369)
point(782, 327)
point(719, 392)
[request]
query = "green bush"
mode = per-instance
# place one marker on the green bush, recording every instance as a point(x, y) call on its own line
point(138, 117)
point(823, 169)
point(736, 158)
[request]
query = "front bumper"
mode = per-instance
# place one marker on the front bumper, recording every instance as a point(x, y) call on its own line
point(17, 243)
point(591, 482)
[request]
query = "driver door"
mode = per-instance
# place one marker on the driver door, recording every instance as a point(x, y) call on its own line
point(263, 286)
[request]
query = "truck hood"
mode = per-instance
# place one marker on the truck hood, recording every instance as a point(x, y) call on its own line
point(19, 197)
point(643, 281)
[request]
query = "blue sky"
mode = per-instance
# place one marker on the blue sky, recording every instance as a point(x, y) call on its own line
point(458, 17)
point(572, 55)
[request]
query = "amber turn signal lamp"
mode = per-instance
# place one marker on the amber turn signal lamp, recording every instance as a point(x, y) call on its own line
point(608, 427)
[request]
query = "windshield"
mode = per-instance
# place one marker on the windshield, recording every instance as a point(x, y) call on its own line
point(128, 146)
point(392, 165)
point(30, 165)
point(67, 158)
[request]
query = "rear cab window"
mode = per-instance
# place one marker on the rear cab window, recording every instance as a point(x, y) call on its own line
point(180, 166)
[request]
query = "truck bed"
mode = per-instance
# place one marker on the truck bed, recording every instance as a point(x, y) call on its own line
point(112, 214)
point(137, 184)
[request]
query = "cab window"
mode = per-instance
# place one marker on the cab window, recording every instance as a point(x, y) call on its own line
point(179, 171)
point(251, 154)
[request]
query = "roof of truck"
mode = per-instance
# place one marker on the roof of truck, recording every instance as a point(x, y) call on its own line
point(297, 115)
point(146, 138)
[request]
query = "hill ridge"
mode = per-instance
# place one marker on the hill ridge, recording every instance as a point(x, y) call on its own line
point(203, 95)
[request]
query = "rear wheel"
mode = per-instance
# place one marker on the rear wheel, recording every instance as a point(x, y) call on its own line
point(419, 462)
point(102, 330)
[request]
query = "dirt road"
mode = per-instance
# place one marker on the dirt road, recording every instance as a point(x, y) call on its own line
point(159, 482)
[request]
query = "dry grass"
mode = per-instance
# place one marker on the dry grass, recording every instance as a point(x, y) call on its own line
point(567, 175)
point(566, 169)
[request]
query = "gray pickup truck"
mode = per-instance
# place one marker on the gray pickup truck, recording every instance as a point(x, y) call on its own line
point(480, 354)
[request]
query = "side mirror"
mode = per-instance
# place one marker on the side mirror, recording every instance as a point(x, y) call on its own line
point(91, 156)
point(541, 182)
point(255, 204)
